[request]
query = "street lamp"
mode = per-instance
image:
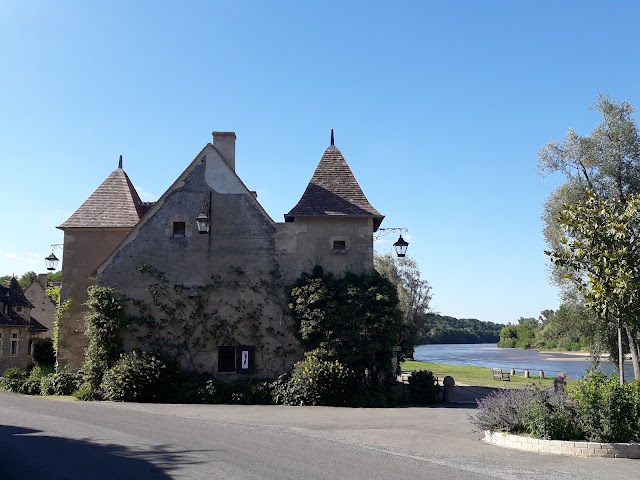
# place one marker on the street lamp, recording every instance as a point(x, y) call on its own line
point(52, 261)
point(401, 245)
point(203, 220)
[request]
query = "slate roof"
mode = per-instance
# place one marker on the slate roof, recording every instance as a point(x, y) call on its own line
point(15, 293)
point(12, 319)
point(115, 203)
point(334, 191)
point(36, 326)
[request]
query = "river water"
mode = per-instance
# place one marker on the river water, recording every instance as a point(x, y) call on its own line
point(490, 356)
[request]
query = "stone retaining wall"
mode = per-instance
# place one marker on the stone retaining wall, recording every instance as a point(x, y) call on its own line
point(564, 447)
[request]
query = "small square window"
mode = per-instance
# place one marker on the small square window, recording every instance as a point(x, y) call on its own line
point(179, 229)
point(339, 246)
point(18, 309)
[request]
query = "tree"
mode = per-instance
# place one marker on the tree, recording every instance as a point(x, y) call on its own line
point(605, 163)
point(27, 280)
point(355, 319)
point(414, 293)
point(602, 255)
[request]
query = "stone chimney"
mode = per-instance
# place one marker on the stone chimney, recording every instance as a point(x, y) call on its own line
point(43, 280)
point(225, 142)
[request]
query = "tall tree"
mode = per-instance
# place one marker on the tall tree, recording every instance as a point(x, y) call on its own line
point(606, 163)
point(414, 293)
point(602, 254)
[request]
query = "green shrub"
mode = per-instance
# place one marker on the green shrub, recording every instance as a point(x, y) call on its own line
point(86, 392)
point(31, 386)
point(138, 377)
point(39, 371)
point(62, 383)
point(606, 411)
point(315, 381)
point(43, 353)
point(251, 392)
point(13, 379)
point(423, 387)
point(280, 388)
point(45, 385)
point(200, 388)
point(534, 411)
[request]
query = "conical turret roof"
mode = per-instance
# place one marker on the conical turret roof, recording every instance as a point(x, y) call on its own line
point(115, 203)
point(334, 191)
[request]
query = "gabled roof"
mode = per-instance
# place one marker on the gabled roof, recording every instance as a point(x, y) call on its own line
point(12, 319)
point(115, 203)
point(16, 295)
point(334, 191)
point(36, 326)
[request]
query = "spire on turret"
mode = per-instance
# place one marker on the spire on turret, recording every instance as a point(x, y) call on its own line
point(120, 162)
point(332, 143)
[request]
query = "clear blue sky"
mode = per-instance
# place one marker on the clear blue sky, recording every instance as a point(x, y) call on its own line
point(440, 109)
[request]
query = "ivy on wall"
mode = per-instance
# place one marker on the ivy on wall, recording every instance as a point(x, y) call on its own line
point(183, 322)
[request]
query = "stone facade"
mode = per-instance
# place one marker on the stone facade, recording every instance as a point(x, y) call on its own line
point(44, 308)
point(17, 328)
point(217, 301)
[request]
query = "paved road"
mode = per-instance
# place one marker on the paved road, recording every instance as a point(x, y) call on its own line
point(52, 439)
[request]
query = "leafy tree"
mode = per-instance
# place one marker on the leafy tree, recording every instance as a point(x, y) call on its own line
point(606, 162)
point(602, 254)
point(354, 318)
point(414, 293)
point(27, 280)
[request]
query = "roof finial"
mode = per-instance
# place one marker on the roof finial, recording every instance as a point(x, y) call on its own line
point(120, 162)
point(332, 137)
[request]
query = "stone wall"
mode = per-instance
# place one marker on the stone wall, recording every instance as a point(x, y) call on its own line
point(84, 250)
point(44, 308)
point(199, 292)
point(22, 359)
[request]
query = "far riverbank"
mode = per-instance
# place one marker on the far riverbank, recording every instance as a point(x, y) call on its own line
point(488, 355)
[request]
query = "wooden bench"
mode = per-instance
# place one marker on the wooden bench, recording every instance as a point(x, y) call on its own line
point(498, 374)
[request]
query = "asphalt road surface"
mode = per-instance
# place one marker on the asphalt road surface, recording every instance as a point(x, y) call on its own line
point(53, 439)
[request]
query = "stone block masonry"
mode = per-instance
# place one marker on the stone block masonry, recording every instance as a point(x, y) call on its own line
point(563, 447)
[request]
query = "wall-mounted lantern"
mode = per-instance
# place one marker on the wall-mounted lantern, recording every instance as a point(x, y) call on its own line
point(203, 220)
point(401, 245)
point(52, 261)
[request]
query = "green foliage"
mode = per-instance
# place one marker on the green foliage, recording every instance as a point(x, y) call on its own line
point(87, 392)
point(605, 410)
point(138, 377)
point(316, 380)
point(61, 310)
point(102, 326)
point(43, 353)
point(61, 383)
point(13, 379)
point(28, 279)
point(438, 329)
point(240, 308)
point(193, 387)
point(355, 318)
point(414, 295)
point(54, 294)
point(423, 387)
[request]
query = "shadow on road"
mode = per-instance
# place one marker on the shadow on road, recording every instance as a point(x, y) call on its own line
point(25, 452)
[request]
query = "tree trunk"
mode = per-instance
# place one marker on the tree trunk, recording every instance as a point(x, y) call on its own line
point(633, 346)
point(620, 353)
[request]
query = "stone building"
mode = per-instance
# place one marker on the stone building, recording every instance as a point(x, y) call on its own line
point(18, 329)
point(214, 300)
point(44, 308)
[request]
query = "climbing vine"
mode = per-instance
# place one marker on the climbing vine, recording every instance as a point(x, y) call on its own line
point(187, 323)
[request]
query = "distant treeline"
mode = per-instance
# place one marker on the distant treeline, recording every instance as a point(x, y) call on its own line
point(571, 327)
point(442, 329)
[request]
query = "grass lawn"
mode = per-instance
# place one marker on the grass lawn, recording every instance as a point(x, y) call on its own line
point(477, 376)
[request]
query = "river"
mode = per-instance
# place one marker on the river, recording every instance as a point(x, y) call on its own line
point(490, 356)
